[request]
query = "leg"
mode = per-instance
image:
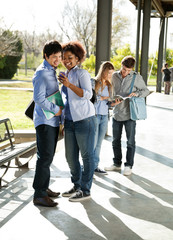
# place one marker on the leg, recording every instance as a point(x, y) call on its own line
point(72, 153)
point(169, 86)
point(102, 124)
point(47, 137)
point(117, 128)
point(166, 87)
point(85, 134)
point(130, 128)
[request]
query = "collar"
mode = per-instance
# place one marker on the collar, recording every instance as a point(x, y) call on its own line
point(46, 64)
point(130, 74)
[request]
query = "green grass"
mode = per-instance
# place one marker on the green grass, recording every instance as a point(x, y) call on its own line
point(13, 104)
point(21, 75)
point(152, 81)
point(18, 85)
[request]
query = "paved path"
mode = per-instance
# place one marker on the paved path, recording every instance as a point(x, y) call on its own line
point(122, 208)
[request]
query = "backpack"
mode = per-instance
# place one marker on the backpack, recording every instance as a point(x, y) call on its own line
point(93, 98)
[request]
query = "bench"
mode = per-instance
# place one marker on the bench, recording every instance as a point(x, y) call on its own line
point(9, 150)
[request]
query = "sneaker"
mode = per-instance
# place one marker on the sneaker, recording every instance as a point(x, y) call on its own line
point(112, 168)
point(100, 171)
point(79, 196)
point(127, 171)
point(69, 193)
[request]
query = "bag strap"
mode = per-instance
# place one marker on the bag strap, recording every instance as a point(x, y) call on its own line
point(132, 83)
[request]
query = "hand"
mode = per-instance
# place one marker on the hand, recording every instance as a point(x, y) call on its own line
point(117, 101)
point(103, 98)
point(132, 94)
point(59, 112)
point(64, 80)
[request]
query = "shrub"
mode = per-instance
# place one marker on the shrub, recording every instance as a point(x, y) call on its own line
point(9, 63)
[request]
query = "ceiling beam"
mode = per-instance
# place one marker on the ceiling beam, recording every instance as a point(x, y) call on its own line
point(158, 6)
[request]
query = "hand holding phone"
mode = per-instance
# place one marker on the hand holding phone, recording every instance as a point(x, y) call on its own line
point(61, 76)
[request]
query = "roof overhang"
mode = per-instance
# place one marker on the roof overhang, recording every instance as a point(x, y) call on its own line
point(160, 8)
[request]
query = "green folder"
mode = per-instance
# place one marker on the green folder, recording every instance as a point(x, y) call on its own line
point(55, 98)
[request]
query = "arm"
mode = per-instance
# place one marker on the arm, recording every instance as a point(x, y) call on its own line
point(65, 81)
point(85, 89)
point(141, 89)
point(39, 83)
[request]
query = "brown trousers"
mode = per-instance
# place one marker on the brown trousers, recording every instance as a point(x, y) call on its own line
point(167, 87)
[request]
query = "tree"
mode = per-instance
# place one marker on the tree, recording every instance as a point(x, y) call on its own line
point(153, 60)
point(7, 42)
point(120, 25)
point(33, 46)
point(79, 23)
point(120, 54)
point(10, 58)
point(89, 63)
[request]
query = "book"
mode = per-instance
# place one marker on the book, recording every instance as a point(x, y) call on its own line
point(55, 98)
point(112, 100)
point(120, 97)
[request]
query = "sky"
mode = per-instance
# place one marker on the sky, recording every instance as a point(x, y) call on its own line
point(40, 15)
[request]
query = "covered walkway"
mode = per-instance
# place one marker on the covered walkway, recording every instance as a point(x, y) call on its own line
point(122, 208)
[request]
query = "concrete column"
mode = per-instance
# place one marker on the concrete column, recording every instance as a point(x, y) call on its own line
point(166, 34)
point(145, 39)
point(138, 35)
point(160, 56)
point(103, 35)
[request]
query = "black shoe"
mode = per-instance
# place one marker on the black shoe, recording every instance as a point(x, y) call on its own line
point(100, 171)
point(79, 196)
point(45, 202)
point(69, 193)
point(50, 193)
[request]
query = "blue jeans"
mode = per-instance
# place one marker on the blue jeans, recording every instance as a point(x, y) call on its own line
point(80, 136)
point(102, 125)
point(47, 138)
point(130, 128)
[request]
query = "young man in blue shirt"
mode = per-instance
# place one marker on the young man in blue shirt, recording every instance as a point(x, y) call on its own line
point(45, 83)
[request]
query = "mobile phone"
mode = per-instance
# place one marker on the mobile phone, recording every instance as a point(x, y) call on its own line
point(61, 74)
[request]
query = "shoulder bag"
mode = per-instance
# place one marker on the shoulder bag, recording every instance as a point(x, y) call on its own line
point(137, 105)
point(30, 109)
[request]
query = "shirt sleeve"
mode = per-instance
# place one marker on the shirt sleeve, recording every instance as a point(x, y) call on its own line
point(85, 83)
point(39, 83)
point(141, 88)
point(113, 85)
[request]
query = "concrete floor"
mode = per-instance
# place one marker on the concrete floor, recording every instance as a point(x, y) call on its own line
point(122, 208)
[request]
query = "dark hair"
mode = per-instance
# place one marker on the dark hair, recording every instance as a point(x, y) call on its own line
point(76, 48)
point(166, 64)
point(51, 47)
point(128, 61)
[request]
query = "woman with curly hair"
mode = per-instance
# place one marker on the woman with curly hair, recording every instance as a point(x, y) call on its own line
point(80, 121)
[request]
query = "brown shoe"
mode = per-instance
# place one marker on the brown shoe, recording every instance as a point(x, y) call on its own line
point(45, 201)
point(50, 193)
